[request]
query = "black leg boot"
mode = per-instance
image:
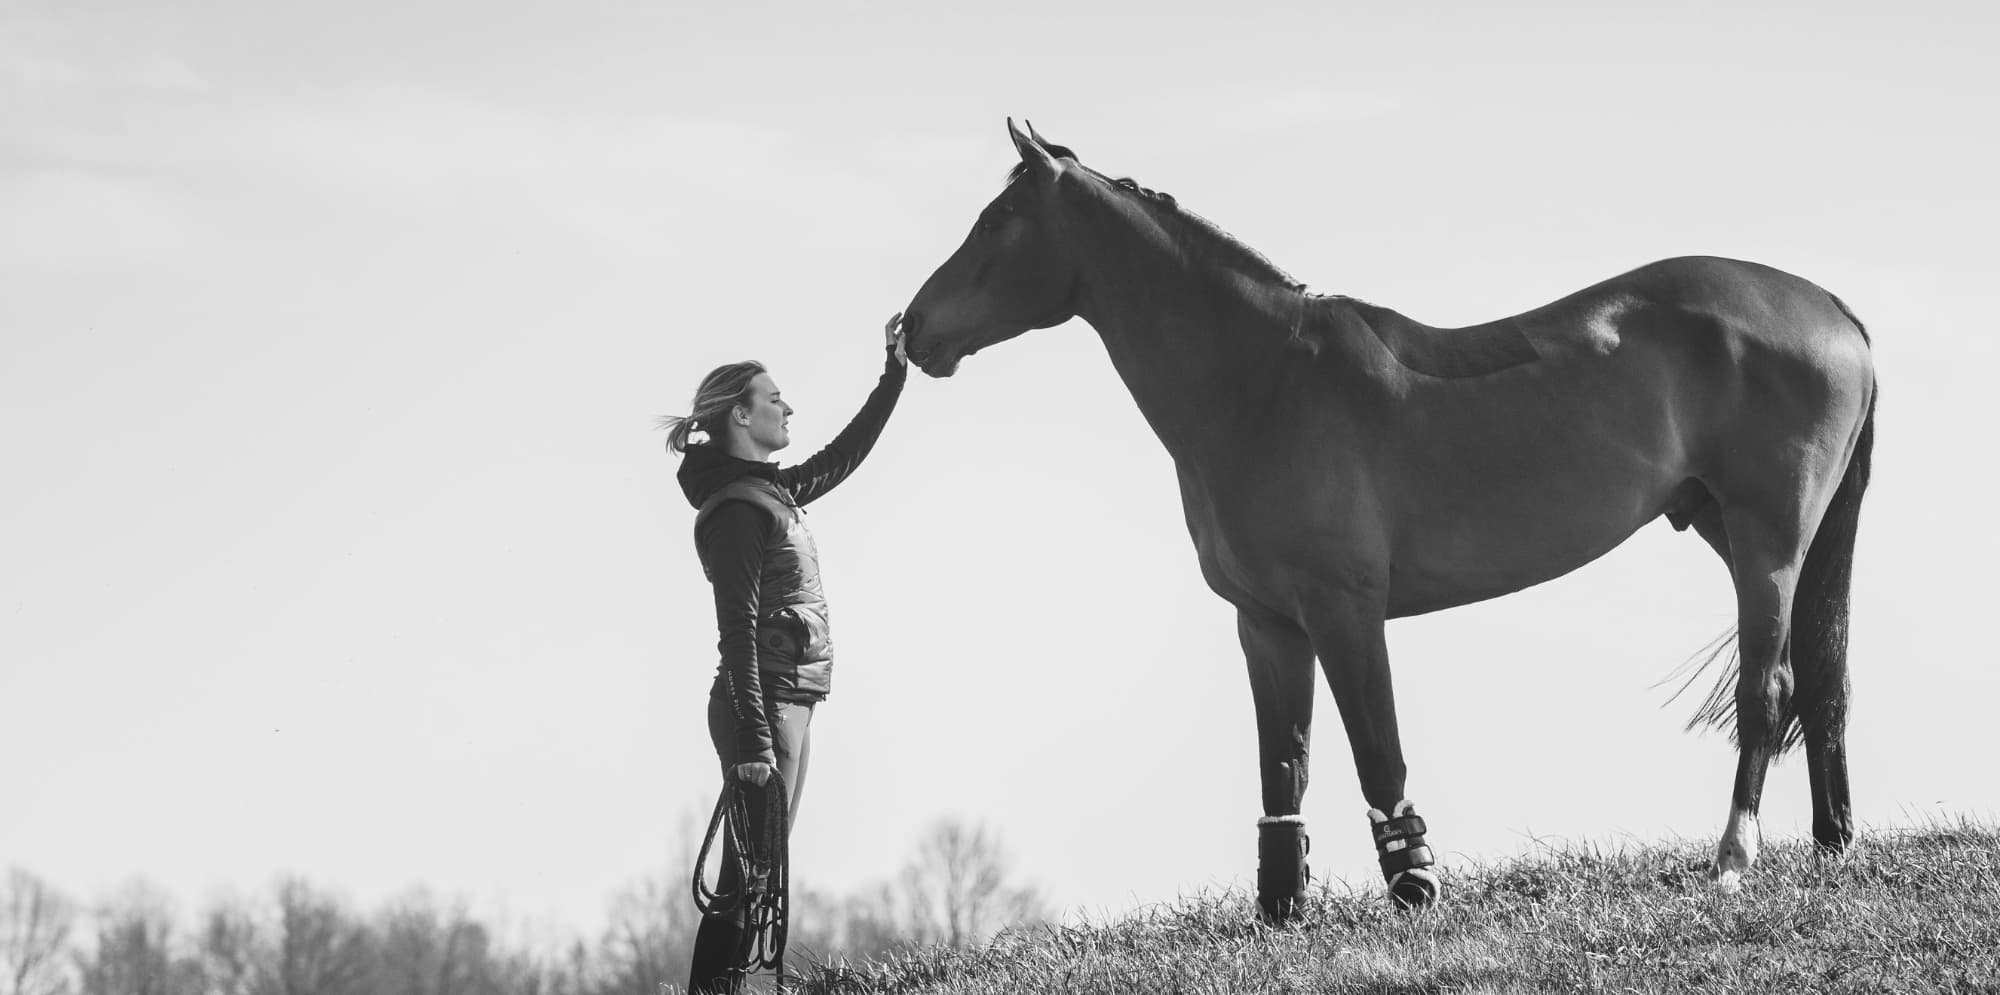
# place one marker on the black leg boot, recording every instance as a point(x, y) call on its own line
point(1405, 857)
point(1282, 873)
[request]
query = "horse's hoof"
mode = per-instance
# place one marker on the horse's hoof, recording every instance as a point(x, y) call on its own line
point(1729, 882)
point(1414, 889)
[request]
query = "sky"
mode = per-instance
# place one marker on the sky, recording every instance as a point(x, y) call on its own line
point(336, 538)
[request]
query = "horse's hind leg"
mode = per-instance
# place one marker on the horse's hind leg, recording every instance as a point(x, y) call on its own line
point(1765, 558)
point(1281, 685)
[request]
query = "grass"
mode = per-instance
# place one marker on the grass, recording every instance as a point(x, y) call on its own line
point(1914, 910)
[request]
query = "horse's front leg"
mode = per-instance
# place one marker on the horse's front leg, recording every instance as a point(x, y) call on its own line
point(1353, 650)
point(1281, 684)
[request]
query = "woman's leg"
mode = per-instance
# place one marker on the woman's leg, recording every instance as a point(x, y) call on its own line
point(791, 740)
point(719, 941)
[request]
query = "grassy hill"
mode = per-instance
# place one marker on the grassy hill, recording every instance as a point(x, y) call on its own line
point(1913, 910)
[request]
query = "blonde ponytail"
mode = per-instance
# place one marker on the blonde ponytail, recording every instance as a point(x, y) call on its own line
point(678, 428)
point(721, 390)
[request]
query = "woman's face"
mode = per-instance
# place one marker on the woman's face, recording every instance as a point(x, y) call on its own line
point(767, 413)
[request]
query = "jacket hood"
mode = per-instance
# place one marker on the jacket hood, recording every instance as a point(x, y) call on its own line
point(705, 469)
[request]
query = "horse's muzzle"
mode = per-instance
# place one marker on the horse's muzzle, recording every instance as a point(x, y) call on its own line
point(926, 359)
point(911, 322)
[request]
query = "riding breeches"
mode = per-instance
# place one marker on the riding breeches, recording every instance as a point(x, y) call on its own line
point(791, 741)
point(719, 937)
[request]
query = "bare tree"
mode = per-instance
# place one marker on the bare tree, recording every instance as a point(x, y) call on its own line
point(34, 935)
point(566, 972)
point(571, 976)
point(228, 951)
point(860, 925)
point(957, 887)
point(134, 953)
point(319, 949)
point(650, 939)
point(426, 952)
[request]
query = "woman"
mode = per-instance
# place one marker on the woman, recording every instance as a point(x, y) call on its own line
point(777, 657)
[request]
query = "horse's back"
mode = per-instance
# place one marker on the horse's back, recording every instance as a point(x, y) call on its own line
point(1713, 340)
point(1784, 342)
point(1688, 297)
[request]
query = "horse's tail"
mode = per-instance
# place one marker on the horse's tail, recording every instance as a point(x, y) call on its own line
point(1819, 608)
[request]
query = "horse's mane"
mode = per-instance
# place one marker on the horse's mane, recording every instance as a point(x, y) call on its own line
point(1202, 236)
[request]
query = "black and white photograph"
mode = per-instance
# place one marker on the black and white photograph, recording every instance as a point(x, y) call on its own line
point(1251, 498)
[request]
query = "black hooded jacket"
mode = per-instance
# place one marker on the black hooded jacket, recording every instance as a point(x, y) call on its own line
point(732, 540)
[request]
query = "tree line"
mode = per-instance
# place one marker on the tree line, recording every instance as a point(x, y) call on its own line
point(956, 888)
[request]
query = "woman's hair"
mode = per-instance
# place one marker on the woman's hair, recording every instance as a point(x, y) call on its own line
point(719, 391)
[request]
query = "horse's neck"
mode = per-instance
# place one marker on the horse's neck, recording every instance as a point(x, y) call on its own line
point(1197, 353)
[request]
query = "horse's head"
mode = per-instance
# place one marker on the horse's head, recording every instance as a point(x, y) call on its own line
point(1011, 274)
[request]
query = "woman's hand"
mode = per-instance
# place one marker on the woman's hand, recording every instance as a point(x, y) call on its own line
point(892, 336)
point(755, 773)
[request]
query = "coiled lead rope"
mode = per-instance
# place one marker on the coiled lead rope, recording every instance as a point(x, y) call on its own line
point(761, 900)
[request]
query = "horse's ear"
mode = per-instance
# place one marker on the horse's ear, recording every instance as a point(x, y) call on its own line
point(1033, 155)
point(1054, 150)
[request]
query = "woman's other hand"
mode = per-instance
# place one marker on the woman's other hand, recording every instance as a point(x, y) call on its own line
point(892, 336)
point(755, 773)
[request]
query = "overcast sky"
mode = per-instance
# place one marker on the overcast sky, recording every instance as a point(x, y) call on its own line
point(335, 537)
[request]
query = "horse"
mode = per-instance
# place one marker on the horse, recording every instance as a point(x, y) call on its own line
point(1341, 465)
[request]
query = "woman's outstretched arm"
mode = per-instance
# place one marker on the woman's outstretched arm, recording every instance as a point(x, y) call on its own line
point(813, 478)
